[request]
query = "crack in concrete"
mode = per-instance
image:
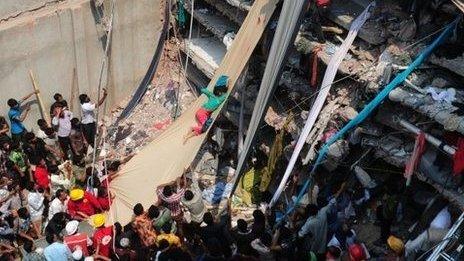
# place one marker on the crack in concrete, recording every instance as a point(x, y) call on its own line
point(19, 14)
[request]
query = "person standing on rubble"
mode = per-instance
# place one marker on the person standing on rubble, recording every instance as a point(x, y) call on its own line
point(215, 99)
point(62, 121)
point(88, 122)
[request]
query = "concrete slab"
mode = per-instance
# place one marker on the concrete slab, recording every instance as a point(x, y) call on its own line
point(344, 12)
point(206, 54)
point(214, 22)
point(232, 12)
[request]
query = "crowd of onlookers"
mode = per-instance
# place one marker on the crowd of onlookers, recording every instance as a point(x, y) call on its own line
point(49, 189)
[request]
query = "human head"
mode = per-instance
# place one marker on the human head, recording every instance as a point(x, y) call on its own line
point(356, 252)
point(42, 123)
point(72, 227)
point(58, 97)
point(138, 209)
point(6, 145)
point(61, 195)
point(166, 228)
point(12, 103)
point(396, 245)
point(23, 213)
point(258, 216)
point(163, 244)
point(333, 253)
point(83, 98)
point(29, 137)
point(114, 166)
point(188, 195)
point(50, 238)
point(28, 246)
point(167, 191)
point(208, 218)
point(98, 220)
point(153, 212)
point(242, 225)
point(75, 123)
point(221, 85)
point(76, 194)
point(311, 210)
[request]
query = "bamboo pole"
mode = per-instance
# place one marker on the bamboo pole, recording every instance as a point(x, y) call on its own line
point(44, 113)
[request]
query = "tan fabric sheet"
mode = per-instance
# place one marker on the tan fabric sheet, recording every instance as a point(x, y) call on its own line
point(165, 158)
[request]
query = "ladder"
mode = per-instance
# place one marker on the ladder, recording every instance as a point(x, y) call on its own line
point(439, 252)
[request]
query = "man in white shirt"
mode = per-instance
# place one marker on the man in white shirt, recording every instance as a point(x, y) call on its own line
point(58, 204)
point(89, 127)
point(62, 121)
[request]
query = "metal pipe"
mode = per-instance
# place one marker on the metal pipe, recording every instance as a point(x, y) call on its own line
point(431, 139)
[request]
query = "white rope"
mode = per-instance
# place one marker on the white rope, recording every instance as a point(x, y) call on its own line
point(100, 83)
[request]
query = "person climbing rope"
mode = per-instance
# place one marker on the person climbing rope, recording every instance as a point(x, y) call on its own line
point(215, 99)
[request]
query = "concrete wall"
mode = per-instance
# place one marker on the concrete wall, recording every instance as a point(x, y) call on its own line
point(62, 37)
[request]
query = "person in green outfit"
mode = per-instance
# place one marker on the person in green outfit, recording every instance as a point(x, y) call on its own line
point(215, 99)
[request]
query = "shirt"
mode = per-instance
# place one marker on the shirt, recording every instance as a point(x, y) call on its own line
point(89, 205)
point(3, 160)
point(41, 177)
point(34, 256)
point(196, 205)
point(88, 114)
point(317, 226)
point(142, 224)
point(77, 240)
point(213, 101)
point(63, 123)
point(57, 252)
point(17, 126)
point(56, 206)
point(35, 201)
point(171, 238)
point(103, 238)
point(173, 201)
point(18, 158)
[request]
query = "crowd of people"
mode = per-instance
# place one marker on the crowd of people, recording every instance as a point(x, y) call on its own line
point(49, 188)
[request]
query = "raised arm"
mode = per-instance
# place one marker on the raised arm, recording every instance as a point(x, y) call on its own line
point(102, 99)
point(27, 96)
point(24, 114)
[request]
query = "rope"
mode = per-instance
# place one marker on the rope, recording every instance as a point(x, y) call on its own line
point(100, 83)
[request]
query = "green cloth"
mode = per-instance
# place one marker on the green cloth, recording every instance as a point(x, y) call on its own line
point(274, 155)
point(181, 13)
point(248, 189)
point(19, 159)
point(213, 101)
point(163, 218)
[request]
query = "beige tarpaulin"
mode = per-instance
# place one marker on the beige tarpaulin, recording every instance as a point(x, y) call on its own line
point(165, 158)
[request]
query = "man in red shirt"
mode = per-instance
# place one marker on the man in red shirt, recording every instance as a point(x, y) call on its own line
point(41, 175)
point(103, 236)
point(75, 240)
point(82, 204)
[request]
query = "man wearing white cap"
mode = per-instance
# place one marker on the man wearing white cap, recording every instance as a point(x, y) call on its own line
point(76, 242)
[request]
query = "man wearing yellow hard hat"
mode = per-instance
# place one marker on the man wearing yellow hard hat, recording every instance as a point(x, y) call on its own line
point(103, 236)
point(82, 204)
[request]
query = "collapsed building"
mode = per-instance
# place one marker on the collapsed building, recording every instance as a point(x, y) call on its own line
point(418, 127)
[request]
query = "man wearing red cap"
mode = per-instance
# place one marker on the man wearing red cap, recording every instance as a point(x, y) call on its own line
point(82, 204)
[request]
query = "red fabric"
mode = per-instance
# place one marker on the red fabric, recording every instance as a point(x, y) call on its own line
point(106, 181)
point(77, 240)
point(314, 69)
point(89, 205)
point(104, 203)
point(202, 116)
point(41, 177)
point(458, 158)
point(419, 148)
point(322, 3)
point(103, 239)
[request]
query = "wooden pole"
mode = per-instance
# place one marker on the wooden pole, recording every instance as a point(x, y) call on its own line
point(45, 115)
point(73, 90)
